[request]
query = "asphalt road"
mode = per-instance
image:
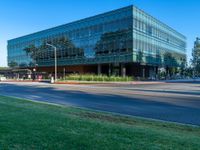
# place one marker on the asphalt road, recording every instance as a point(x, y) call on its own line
point(176, 102)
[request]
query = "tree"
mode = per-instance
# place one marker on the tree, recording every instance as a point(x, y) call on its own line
point(196, 56)
point(170, 63)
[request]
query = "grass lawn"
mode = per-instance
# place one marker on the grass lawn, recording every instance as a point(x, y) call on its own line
point(28, 125)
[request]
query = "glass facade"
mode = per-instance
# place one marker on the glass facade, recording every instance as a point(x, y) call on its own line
point(155, 42)
point(126, 35)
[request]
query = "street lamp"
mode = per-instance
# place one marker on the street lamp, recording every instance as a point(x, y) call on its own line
point(55, 56)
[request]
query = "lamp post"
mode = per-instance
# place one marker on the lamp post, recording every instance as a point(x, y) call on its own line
point(55, 56)
point(34, 71)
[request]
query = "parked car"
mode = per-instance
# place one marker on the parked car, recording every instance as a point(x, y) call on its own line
point(2, 78)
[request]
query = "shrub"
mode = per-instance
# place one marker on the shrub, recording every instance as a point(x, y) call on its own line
point(100, 78)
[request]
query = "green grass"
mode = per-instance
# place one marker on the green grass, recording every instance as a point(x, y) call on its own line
point(28, 125)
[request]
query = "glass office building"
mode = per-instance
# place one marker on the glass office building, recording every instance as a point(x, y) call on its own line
point(124, 41)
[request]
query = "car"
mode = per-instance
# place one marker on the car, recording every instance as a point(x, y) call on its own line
point(2, 78)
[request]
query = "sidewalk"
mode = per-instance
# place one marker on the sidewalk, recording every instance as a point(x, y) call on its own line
point(113, 83)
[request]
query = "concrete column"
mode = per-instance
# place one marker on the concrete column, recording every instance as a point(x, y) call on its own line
point(156, 72)
point(167, 72)
point(157, 68)
point(64, 73)
point(152, 72)
point(123, 70)
point(143, 72)
point(99, 69)
point(109, 70)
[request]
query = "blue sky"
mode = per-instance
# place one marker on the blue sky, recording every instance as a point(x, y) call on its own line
point(21, 17)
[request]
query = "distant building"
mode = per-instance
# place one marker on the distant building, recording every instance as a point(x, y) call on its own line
point(126, 41)
point(6, 72)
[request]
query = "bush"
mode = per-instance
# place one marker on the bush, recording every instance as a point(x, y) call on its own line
point(100, 78)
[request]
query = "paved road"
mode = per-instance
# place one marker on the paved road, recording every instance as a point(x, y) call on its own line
point(176, 102)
